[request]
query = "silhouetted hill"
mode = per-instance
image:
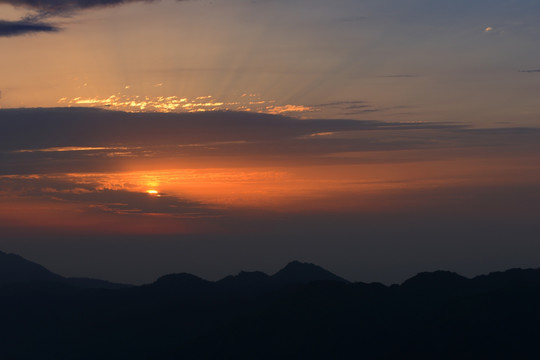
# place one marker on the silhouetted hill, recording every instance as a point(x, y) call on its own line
point(15, 269)
point(303, 273)
point(181, 284)
point(436, 284)
point(509, 278)
point(301, 312)
point(247, 282)
point(94, 283)
point(436, 281)
point(180, 281)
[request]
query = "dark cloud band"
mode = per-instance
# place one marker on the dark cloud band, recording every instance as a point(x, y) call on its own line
point(62, 140)
point(41, 10)
point(53, 7)
point(15, 28)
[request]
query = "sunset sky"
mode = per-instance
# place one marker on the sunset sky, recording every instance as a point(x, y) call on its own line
point(376, 138)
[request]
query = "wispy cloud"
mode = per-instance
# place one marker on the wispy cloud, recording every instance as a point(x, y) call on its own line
point(355, 107)
point(165, 104)
point(341, 103)
point(99, 196)
point(287, 109)
point(130, 202)
point(73, 148)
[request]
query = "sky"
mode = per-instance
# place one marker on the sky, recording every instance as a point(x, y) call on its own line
point(377, 139)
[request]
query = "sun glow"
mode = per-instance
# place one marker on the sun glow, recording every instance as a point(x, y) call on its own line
point(152, 192)
point(139, 103)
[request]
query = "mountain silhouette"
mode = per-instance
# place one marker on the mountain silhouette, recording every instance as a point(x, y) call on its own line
point(304, 273)
point(510, 278)
point(437, 283)
point(245, 282)
point(16, 269)
point(300, 312)
point(436, 280)
point(181, 280)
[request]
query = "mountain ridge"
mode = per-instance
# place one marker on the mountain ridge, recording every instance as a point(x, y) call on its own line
point(14, 268)
point(253, 315)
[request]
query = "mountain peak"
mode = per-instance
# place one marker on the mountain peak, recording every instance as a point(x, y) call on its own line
point(181, 281)
point(299, 272)
point(246, 281)
point(14, 268)
point(435, 281)
point(245, 276)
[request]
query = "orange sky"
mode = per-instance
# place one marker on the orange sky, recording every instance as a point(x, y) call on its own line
point(235, 192)
point(293, 120)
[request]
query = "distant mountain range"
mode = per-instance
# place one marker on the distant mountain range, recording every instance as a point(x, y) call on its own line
point(301, 312)
point(16, 269)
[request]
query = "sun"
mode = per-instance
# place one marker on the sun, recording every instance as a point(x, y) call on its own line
point(152, 192)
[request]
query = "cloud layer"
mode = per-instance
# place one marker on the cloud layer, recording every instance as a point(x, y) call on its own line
point(90, 140)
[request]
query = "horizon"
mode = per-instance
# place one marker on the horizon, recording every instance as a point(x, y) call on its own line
point(377, 139)
point(316, 272)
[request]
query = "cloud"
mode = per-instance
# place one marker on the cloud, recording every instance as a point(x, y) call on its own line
point(122, 102)
point(129, 202)
point(95, 197)
point(355, 107)
point(340, 103)
point(22, 27)
point(530, 71)
point(41, 10)
point(64, 140)
point(27, 129)
point(58, 7)
point(287, 109)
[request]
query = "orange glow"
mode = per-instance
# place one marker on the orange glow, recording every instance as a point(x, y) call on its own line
point(276, 110)
point(30, 216)
point(153, 193)
point(73, 148)
point(204, 199)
